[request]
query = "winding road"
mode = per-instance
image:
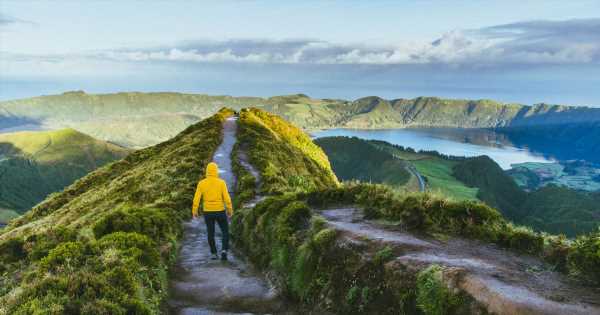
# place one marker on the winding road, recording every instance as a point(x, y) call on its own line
point(416, 173)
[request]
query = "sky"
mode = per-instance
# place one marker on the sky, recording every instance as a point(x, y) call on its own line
point(510, 51)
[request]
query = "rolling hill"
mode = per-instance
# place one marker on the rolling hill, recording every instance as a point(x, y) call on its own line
point(35, 164)
point(141, 119)
point(104, 245)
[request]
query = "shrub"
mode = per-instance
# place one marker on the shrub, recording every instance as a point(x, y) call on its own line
point(584, 258)
point(135, 245)
point(12, 250)
point(71, 254)
point(158, 224)
point(522, 239)
point(41, 244)
point(433, 297)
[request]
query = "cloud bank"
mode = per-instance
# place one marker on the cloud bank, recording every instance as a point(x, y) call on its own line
point(516, 45)
point(534, 42)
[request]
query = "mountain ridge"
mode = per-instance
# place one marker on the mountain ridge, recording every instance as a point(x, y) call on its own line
point(175, 111)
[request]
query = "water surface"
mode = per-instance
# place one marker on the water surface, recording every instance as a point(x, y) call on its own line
point(450, 141)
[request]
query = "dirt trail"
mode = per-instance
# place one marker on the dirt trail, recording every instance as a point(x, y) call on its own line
point(506, 283)
point(203, 286)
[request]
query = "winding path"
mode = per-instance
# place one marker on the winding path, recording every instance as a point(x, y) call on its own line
point(507, 283)
point(203, 286)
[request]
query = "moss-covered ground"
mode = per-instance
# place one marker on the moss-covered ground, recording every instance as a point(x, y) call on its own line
point(104, 244)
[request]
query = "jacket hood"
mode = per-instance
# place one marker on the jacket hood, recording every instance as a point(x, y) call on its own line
point(212, 170)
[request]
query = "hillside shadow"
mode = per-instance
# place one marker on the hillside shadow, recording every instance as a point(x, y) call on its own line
point(16, 123)
point(554, 114)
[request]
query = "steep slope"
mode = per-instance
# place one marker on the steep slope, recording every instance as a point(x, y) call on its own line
point(431, 111)
point(496, 188)
point(285, 156)
point(35, 164)
point(102, 246)
point(356, 159)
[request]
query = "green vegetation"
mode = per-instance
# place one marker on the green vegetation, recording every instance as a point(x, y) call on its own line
point(284, 155)
point(314, 265)
point(424, 213)
point(552, 209)
point(496, 188)
point(281, 234)
point(440, 178)
point(104, 244)
point(35, 164)
point(381, 162)
point(557, 209)
point(356, 159)
point(137, 120)
point(433, 297)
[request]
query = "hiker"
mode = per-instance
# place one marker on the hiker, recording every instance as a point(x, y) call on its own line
point(213, 191)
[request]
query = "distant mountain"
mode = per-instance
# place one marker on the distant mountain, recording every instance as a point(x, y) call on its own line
point(35, 164)
point(141, 119)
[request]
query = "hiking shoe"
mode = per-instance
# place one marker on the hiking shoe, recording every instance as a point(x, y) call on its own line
point(214, 256)
point(224, 255)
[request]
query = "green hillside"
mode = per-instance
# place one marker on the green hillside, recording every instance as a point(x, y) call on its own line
point(558, 209)
point(102, 246)
point(35, 164)
point(496, 188)
point(355, 159)
point(136, 119)
point(283, 153)
point(551, 209)
point(436, 169)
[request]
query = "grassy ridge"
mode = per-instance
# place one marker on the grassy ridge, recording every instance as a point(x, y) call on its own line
point(284, 155)
point(35, 164)
point(104, 244)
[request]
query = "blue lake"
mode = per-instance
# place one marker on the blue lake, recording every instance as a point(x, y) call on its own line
point(450, 141)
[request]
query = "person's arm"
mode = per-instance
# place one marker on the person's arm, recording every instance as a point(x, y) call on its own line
point(196, 202)
point(227, 200)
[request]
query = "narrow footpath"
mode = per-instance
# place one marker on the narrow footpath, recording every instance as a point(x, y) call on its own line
point(203, 286)
point(505, 282)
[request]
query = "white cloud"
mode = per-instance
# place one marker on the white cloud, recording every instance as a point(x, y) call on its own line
point(517, 44)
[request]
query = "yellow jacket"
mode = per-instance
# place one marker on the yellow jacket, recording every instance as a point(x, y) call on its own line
point(213, 191)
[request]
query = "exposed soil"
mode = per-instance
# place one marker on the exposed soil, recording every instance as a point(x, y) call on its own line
point(503, 281)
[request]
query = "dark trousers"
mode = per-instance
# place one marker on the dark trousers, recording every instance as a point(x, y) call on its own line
point(210, 217)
